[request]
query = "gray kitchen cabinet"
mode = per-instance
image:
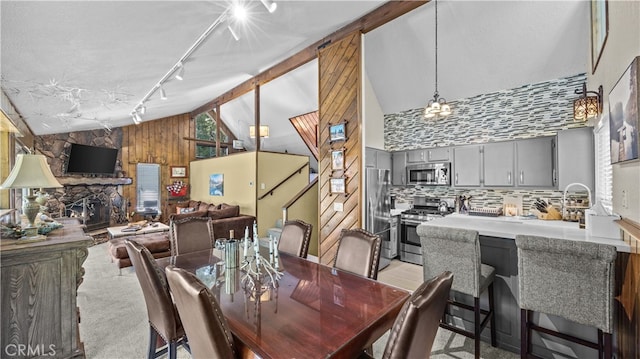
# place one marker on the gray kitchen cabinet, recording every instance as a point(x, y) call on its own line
point(416, 156)
point(535, 162)
point(467, 166)
point(370, 157)
point(375, 158)
point(576, 163)
point(438, 154)
point(399, 165)
point(499, 164)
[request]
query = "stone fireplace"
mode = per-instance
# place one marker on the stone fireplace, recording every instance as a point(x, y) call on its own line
point(95, 199)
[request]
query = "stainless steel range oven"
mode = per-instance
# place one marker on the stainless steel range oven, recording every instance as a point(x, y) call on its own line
point(424, 209)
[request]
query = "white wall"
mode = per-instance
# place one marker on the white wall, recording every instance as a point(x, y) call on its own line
point(372, 116)
point(621, 47)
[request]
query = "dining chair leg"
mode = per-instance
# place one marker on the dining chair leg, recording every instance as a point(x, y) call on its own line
point(493, 316)
point(153, 340)
point(477, 326)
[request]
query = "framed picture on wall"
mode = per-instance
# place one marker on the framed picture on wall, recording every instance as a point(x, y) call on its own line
point(178, 171)
point(624, 100)
point(599, 30)
point(338, 185)
point(338, 132)
point(216, 184)
point(337, 160)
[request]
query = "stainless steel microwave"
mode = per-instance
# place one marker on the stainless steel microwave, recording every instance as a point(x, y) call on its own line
point(438, 174)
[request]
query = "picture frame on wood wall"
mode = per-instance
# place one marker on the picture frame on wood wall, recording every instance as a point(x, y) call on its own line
point(178, 171)
point(599, 30)
point(338, 132)
point(337, 160)
point(338, 185)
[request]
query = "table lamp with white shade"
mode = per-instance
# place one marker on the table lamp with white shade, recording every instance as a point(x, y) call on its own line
point(31, 171)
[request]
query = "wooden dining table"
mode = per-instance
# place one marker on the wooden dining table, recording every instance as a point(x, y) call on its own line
point(314, 311)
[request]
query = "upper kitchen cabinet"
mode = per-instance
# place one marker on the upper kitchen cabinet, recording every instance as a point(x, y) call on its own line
point(576, 163)
point(399, 168)
point(499, 164)
point(374, 158)
point(467, 166)
point(436, 154)
point(535, 162)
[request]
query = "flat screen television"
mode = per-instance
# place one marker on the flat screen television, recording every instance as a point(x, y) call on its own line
point(91, 159)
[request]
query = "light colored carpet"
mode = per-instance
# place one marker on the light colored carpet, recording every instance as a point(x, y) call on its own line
point(114, 317)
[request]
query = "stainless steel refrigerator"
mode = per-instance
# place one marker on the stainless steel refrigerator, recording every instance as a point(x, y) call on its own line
point(378, 215)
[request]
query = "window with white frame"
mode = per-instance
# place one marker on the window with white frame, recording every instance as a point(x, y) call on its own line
point(604, 172)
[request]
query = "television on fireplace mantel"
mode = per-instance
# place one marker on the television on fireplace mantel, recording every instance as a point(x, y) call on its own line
point(84, 159)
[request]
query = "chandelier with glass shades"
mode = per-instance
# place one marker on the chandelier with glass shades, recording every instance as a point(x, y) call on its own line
point(437, 106)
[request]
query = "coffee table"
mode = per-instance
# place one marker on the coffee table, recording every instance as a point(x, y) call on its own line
point(121, 231)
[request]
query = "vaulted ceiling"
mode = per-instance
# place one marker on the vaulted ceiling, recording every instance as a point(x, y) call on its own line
point(74, 65)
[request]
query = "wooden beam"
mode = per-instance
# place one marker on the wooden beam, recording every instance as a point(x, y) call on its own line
point(366, 23)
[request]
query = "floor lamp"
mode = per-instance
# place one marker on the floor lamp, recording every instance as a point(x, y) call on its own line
point(31, 171)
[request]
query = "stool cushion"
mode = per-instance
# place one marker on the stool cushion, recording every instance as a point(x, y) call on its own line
point(571, 279)
point(457, 251)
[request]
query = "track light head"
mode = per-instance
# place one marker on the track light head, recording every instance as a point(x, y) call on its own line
point(233, 32)
point(271, 6)
point(240, 13)
point(143, 109)
point(163, 95)
point(180, 75)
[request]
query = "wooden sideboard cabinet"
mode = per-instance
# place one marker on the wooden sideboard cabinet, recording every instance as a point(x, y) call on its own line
point(39, 282)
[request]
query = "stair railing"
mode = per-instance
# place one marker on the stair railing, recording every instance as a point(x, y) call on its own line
point(270, 192)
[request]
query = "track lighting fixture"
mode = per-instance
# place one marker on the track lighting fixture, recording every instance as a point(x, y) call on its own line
point(239, 14)
point(269, 5)
point(180, 75)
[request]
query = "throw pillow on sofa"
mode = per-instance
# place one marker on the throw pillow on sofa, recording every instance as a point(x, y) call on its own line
point(224, 211)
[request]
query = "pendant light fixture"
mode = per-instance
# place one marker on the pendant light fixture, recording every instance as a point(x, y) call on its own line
point(437, 106)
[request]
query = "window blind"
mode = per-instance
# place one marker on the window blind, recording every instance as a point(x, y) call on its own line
point(148, 186)
point(604, 172)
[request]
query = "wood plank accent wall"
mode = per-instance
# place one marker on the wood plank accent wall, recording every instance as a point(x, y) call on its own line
point(159, 141)
point(307, 127)
point(340, 101)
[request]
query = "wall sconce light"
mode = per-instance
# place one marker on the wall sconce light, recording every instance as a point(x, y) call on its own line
point(586, 107)
point(264, 131)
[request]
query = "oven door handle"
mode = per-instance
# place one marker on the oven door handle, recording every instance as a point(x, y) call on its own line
point(411, 222)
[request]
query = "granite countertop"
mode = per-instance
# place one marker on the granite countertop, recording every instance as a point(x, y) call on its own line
point(509, 227)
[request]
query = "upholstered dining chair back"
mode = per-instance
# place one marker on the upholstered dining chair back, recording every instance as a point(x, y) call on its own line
point(571, 279)
point(295, 238)
point(163, 317)
point(204, 323)
point(190, 235)
point(358, 252)
point(455, 250)
point(415, 328)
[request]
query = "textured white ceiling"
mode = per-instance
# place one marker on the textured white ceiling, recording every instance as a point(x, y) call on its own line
point(78, 65)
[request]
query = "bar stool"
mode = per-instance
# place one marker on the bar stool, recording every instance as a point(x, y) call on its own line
point(458, 251)
point(570, 279)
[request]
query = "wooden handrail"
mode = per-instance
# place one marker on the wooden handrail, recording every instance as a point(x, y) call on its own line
point(300, 194)
point(270, 192)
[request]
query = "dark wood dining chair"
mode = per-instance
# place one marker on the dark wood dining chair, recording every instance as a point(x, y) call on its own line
point(295, 238)
point(415, 328)
point(358, 252)
point(163, 317)
point(203, 320)
point(191, 234)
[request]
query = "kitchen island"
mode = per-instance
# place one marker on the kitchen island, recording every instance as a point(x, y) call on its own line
point(498, 249)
